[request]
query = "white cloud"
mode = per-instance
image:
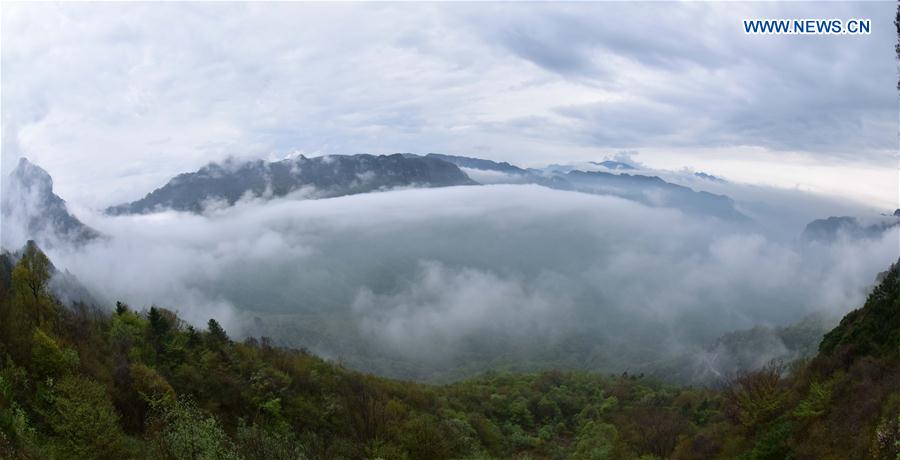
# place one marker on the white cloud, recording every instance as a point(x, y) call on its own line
point(424, 272)
point(115, 99)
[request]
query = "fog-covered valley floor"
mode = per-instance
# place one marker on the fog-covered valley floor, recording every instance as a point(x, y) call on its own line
point(439, 283)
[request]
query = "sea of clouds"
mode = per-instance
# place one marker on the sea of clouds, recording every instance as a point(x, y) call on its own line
point(426, 276)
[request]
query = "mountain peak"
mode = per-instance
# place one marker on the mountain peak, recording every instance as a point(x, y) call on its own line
point(31, 211)
point(835, 227)
point(613, 164)
point(31, 176)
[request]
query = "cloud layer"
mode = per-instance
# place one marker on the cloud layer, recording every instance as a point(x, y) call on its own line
point(115, 99)
point(428, 277)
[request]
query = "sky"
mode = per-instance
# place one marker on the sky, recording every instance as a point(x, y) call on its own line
point(115, 99)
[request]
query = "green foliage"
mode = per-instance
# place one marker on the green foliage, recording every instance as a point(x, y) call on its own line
point(754, 399)
point(16, 432)
point(126, 330)
point(772, 444)
point(816, 402)
point(874, 329)
point(84, 420)
point(258, 443)
point(217, 335)
point(48, 359)
point(29, 282)
point(159, 323)
point(596, 441)
point(187, 433)
point(142, 384)
point(151, 386)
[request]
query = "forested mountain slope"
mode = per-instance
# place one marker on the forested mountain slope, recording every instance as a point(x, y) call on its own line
point(76, 382)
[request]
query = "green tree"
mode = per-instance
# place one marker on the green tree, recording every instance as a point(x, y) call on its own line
point(29, 282)
point(29, 305)
point(84, 420)
point(596, 441)
point(188, 433)
point(216, 333)
point(48, 359)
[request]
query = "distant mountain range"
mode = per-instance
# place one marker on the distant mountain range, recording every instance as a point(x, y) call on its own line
point(649, 190)
point(30, 206)
point(653, 191)
point(833, 228)
point(338, 175)
point(31, 209)
point(325, 176)
point(475, 163)
point(30, 203)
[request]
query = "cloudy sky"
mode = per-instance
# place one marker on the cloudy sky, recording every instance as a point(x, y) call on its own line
point(114, 99)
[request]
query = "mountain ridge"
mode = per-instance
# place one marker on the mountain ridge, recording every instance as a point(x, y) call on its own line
point(29, 202)
point(326, 176)
point(645, 189)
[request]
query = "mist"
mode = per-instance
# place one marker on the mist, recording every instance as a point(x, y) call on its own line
point(409, 282)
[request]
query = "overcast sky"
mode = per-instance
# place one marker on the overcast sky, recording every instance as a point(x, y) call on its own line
point(114, 99)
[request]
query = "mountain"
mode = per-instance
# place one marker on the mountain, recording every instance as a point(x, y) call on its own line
point(62, 284)
point(649, 190)
point(832, 228)
point(31, 210)
point(874, 329)
point(709, 177)
point(752, 349)
point(326, 176)
point(653, 191)
point(143, 384)
point(337, 175)
point(610, 164)
point(844, 403)
point(478, 163)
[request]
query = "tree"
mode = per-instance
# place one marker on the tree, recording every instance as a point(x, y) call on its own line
point(48, 359)
point(159, 324)
point(29, 282)
point(596, 441)
point(753, 399)
point(189, 434)
point(216, 333)
point(84, 420)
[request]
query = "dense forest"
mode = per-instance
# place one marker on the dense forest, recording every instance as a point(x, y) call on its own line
point(80, 382)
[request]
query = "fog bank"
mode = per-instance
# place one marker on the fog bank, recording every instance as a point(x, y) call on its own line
point(431, 277)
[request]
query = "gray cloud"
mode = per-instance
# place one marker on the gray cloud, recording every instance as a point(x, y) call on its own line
point(115, 99)
point(697, 80)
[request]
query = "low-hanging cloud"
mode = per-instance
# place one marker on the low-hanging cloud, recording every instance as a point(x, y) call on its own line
point(442, 306)
point(505, 273)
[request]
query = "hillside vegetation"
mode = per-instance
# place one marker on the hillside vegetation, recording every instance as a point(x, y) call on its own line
point(77, 382)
